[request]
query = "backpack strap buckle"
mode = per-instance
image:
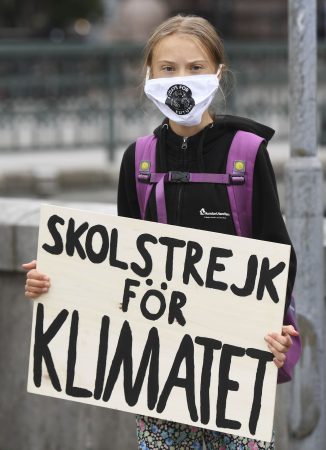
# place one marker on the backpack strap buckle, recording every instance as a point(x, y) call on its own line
point(236, 179)
point(144, 177)
point(175, 176)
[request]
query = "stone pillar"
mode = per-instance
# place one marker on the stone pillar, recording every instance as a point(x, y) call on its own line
point(304, 216)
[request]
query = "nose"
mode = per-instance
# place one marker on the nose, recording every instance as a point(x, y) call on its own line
point(181, 72)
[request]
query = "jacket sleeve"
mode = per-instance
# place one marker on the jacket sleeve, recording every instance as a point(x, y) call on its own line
point(127, 194)
point(268, 224)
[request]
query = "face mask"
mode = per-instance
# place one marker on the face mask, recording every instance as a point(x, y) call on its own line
point(182, 99)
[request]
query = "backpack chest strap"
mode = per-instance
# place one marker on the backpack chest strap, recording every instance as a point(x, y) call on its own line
point(243, 149)
point(160, 178)
point(191, 177)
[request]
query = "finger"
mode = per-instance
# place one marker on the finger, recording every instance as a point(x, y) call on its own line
point(30, 265)
point(280, 356)
point(281, 343)
point(36, 290)
point(278, 363)
point(37, 275)
point(289, 329)
point(37, 283)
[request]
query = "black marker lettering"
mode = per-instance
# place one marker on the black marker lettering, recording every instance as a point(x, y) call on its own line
point(213, 266)
point(266, 279)
point(143, 304)
point(114, 262)
point(250, 280)
point(194, 254)
point(102, 355)
point(72, 390)
point(41, 349)
point(73, 237)
point(99, 257)
point(225, 385)
point(57, 248)
point(185, 353)
point(171, 244)
point(178, 300)
point(128, 294)
point(141, 240)
point(123, 356)
point(263, 358)
point(209, 345)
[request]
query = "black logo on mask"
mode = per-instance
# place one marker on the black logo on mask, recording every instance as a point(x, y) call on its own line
point(179, 99)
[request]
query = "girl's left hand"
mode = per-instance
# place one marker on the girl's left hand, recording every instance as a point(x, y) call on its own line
point(280, 344)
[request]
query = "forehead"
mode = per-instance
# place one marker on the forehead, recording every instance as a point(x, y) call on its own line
point(178, 47)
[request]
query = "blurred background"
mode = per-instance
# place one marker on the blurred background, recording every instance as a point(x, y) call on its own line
point(70, 86)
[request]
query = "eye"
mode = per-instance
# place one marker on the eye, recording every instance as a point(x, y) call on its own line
point(196, 67)
point(167, 68)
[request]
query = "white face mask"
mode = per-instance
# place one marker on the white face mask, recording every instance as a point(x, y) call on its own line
point(183, 99)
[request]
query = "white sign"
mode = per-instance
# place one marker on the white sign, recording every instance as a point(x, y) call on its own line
point(158, 320)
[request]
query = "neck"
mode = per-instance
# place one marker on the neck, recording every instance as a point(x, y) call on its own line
point(185, 131)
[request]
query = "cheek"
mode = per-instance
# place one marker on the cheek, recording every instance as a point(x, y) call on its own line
point(154, 73)
point(154, 68)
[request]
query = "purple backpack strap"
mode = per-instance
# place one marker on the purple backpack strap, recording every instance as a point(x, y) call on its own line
point(242, 153)
point(244, 148)
point(144, 151)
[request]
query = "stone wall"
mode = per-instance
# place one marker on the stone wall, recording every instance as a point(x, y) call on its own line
point(28, 421)
point(31, 422)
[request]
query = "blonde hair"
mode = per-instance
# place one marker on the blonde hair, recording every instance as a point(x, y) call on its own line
point(194, 26)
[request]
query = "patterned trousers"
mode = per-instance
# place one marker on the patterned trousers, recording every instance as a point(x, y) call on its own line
point(156, 434)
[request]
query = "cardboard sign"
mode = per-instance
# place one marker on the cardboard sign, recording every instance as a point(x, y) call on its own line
point(159, 320)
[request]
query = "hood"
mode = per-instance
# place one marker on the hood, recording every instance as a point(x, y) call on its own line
point(203, 141)
point(225, 121)
point(244, 124)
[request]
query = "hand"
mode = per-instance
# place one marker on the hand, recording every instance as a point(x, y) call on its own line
point(280, 344)
point(36, 283)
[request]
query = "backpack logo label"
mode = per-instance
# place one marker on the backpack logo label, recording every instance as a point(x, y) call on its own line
point(213, 214)
point(144, 166)
point(239, 166)
point(179, 99)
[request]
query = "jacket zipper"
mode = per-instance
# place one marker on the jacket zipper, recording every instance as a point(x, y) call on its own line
point(184, 146)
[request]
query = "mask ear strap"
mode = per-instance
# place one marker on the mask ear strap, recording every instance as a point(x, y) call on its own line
point(148, 71)
point(219, 69)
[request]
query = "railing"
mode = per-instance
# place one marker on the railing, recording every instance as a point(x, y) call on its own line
point(69, 95)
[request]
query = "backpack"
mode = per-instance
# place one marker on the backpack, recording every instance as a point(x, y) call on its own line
point(239, 183)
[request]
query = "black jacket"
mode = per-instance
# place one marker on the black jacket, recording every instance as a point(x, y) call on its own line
point(207, 151)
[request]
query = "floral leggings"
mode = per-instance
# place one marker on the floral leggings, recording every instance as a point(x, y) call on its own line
point(159, 434)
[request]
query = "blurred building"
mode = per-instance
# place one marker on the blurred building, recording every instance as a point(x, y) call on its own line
point(235, 19)
point(134, 19)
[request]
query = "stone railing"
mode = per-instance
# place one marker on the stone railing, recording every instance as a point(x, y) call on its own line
point(77, 95)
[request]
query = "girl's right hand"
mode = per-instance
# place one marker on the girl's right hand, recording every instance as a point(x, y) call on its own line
point(36, 283)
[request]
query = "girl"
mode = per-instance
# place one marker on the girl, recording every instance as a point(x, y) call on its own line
point(184, 62)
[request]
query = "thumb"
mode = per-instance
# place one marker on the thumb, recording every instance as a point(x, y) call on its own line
point(29, 265)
